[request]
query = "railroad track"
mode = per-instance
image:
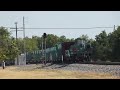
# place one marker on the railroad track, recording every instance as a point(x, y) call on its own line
point(112, 69)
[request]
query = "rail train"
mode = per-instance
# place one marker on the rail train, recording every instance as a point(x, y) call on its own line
point(66, 52)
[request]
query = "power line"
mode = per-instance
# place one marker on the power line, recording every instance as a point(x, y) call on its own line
point(62, 28)
point(70, 28)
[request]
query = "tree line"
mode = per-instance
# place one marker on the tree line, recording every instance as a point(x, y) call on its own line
point(106, 47)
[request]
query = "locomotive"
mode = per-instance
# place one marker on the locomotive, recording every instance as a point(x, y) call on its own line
point(66, 52)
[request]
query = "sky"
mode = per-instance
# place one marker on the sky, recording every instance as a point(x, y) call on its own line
point(61, 19)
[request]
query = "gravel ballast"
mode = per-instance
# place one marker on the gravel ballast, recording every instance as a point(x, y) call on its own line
point(112, 69)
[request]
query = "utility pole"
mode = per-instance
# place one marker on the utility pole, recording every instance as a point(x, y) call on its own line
point(24, 40)
point(114, 27)
point(44, 37)
point(42, 47)
point(16, 29)
point(16, 41)
point(45, 51)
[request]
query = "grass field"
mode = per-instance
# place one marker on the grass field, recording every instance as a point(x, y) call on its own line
point(12, 73)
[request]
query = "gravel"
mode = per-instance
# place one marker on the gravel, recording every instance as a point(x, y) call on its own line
point(112, 69)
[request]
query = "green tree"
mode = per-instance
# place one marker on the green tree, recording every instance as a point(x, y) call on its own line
point(62, 39)
point(82, 37)
point(51, 40)
point(101, 46)
point(4, 36)
point(8, 48)
point(115, 44)
point(12, 49)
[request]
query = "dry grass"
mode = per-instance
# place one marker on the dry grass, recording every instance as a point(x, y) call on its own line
point(12, 73)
